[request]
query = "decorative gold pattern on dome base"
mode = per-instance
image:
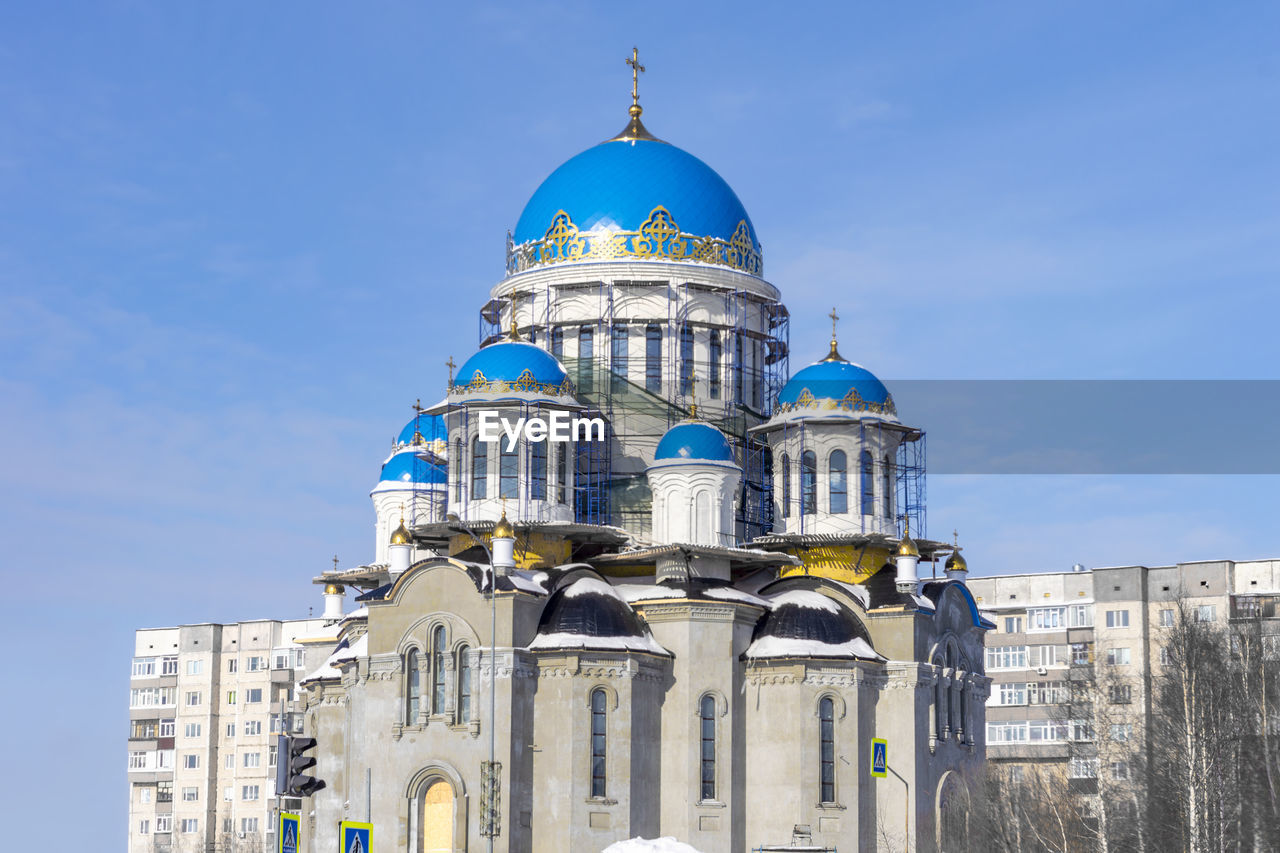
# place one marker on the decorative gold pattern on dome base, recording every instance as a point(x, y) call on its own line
point(848, 563)
point(659, 238)
point(851, 402)
point(524, 383)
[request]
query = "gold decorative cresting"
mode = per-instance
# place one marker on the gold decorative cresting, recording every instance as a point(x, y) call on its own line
point(658, 238)
point(635, 130)
point(834, 355)
point(851, 402)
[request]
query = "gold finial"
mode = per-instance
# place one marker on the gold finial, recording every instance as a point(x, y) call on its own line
point(907, 547)
point(693, 394)
point(449, 364)
point(834, 355)
point(956, 562)
point(400, 536)
point(634, 129)
point(503, 529)
point(514, 334)
point(333, 589)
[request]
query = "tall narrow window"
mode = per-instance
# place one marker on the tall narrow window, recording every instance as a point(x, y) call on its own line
point(707, 713)
point(786, 486)
point(459, 470)
point(562, 473)
point(868, 484)
point(618, 350)
point(827, 750)
point(839, 482)
point(686, 359)
point(479, 468)
point(755, 375)
point(437, 670)
point(586, 356)
point(886, 486)
point(508, 470)
point(808, 482)
point(557, 341)
point(597, 742)
point(538, 476)
point(713, 370)
point(653, 358)
point(738, 371)
point(464, 684)
point(413, 687)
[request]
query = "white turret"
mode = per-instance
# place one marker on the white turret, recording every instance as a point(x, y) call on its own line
point(694, 480)
point(907, 559)
point(503, 546)
point(400, 549)
point(333, 597)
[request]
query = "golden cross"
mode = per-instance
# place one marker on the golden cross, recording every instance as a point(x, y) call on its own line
point(335, 562)
point(451, 366)
point(693, 392)
point(417, 406)
point(636, 70)
point(834, 316)
point(956, 534)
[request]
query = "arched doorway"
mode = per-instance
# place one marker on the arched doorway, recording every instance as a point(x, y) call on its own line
point(437, 817)
point(952, 814)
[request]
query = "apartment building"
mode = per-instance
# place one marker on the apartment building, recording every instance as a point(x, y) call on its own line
point(1104, 628)
point(205, 704)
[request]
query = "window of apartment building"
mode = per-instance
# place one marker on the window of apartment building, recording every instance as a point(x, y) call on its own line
point(1164, 656)
point(1205, 613)
point(195, 667)
point(271, 755)
point(1080, 615)
point(1166, 618)
point(1120, 694)
point(145, 794)
point(190, 794)
point(1120, 770)
point(229, 761)
point(292, 658)
point(1007, 657)
point(1007, 731)
point(1121, 731)
point(228, 793)
point(1080, 654)
point(1047, 731)
point(1015, 774)
point(151, 697)
point(164, 823)
point(1043, 655)
point(255, 663)
point(190, 761)
point(1013, 693)
point(166, 728)
point(168, 666)
point(231, 697)
point(1117, 618)
point(144, 667)
point(227, 824)
point(231, 729)
point(1013, 624)
point(189, 825)
point(191, 730)
point(137, 760)
point(248, 824)
point(252, 695)
point(164, 759)
point(1047, 693)
point(193, 698)
point(1084, 768)
point(249, 792)
point(252, 727)
point(1046, 618)
point(233, 664)
point(1081, 730)
point(1118, 656)
point(253, 759)
point(164, 793)
point(144, 827)
point(143, 728)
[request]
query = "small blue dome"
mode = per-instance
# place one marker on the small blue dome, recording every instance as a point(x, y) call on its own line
point(407, 468)
point(616, 185)
point(431, 427)
point(507, 361)
point(834, 380)
point(694, 440)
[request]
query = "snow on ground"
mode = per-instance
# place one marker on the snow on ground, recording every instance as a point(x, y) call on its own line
point(649, 845)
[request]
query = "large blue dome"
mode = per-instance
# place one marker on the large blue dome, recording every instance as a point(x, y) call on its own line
point(693, 440)
point(410, 471)
point(617, 185)
point(507, 361)
point(839, 380)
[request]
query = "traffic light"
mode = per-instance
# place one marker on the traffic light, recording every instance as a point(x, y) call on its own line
point(296, 761)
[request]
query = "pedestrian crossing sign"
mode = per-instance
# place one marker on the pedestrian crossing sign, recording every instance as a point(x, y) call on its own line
point(354, 837)
point(288, 833)
point(879, 757)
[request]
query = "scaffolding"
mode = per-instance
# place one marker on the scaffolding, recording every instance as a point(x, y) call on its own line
point(725, 349)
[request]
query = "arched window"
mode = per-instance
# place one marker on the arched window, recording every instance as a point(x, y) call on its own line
point(464, 684)
point(808, 482)
point(413, 687)
point(557, 341)
point(939, 705)
point(738, 368)
point(562, 473)
point(827, 750)
point(868, 484)
point(618, 350)
point(713, 372)
point(786, 486)
point(707, 715)
point(839, 482)
point(586, 353)
point(508, 470)
point(756, 384)
point(886, 478)
point(437, 670)
point(653, 358)
point(538, 474)
point(459, 470)
point(686, 359)
point(598, 700)
point(479, 468)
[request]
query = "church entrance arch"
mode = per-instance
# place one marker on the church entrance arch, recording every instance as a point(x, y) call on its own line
point(437, 817)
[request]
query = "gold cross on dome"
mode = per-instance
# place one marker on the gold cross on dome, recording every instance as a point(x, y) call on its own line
point(636, 70)
point(834, 317)
point(417, 406)
point(335, 562)
point(956, 535)
point(451, 366)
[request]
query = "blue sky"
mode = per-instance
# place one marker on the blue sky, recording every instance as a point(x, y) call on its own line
point(237, 240)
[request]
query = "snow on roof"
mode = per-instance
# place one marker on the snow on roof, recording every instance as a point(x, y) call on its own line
point(649, 845)
point(584, 641)
point(786, 647)
point(529, 581)
point(358, 613)
point(358, 649)
point(728, 593)
point(590, 586)
point(632, 592)
point(924, 603)
point(805, 598)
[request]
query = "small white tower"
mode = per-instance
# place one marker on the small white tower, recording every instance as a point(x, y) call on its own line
point(503, 546)
point(694, 480)
point(400, 549)
point(333, 598)
point(907, 559)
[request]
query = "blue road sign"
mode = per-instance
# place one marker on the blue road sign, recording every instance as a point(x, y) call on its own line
point(354, 837)
point(288, 833)
point(879, 757)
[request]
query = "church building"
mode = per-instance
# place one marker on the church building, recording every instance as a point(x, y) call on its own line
point(633, 577)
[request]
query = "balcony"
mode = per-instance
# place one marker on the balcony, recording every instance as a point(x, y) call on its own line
point(1254, 606)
